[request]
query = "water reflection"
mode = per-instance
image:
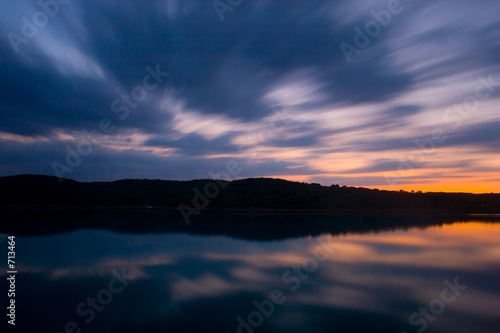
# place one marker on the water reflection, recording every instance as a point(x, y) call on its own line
point(367, 282)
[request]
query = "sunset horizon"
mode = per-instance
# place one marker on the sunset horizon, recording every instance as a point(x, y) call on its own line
point(372, 98)
point(250, 166)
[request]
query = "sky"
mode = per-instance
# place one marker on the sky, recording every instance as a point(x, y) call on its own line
point(380, 94)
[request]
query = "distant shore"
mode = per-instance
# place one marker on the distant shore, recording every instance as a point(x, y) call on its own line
point(264, 195)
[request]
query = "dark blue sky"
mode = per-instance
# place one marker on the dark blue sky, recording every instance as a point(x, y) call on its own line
point(365, 93)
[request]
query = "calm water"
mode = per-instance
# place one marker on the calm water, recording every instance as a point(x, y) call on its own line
point(442, 278)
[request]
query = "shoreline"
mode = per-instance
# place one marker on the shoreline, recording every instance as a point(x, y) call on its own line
point(250, 211)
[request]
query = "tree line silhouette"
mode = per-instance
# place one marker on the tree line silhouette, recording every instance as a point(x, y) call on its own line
point(247, 194)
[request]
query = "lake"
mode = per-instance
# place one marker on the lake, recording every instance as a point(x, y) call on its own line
point(256, 273)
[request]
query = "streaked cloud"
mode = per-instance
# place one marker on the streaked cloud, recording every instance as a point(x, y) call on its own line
point(348, 123)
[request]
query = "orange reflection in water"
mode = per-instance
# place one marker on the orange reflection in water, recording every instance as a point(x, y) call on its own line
point(412, 264)
point(460, 245)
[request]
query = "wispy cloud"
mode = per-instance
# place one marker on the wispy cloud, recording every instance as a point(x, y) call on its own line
point(351, 121)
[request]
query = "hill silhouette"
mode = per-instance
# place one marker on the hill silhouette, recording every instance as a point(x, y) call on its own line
point(246, 194)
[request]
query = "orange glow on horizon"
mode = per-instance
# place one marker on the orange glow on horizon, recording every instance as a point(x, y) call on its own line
point(480, 186)
point(476, 188)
